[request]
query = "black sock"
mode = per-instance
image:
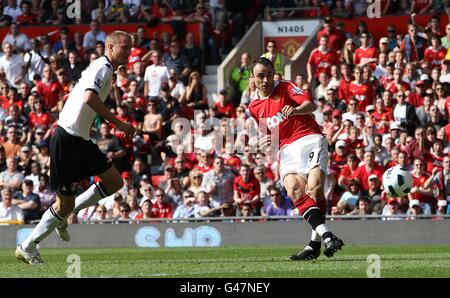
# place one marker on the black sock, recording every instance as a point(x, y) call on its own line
point(314, 218)
point(315, 245)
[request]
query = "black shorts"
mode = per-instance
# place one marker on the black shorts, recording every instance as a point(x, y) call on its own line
point(73, 159)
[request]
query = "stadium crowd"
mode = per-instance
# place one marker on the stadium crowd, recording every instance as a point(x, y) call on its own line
point(381, 103)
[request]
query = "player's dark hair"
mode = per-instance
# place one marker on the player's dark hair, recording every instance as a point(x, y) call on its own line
point(263, 61)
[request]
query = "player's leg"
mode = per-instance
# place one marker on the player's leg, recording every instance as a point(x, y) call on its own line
point(110, 182)
point(27, 250)
point(295, 186)
point(315, 188)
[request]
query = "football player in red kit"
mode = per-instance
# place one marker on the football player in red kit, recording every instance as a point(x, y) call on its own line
point(285, 111)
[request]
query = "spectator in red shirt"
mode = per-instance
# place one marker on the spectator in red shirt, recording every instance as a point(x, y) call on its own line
point(344, 83)
point(418, 191)
point(339, 157)
point(365, 54)
point(417, 96)
point(435, 157)
point(361, 91)
point(27, 17)
point(146, 213)
point(370, 167)
point(40, 117)
point(225, 107)
point(336, 38)
point(381, 117)
point(137, 53)
point(203, 163)
point(230, 158)
point(435, 53)
point(160, 208)
point(322, 58)
point(12, 98)
point(246, 190)
point(49, 88)
point(397, 84)
point(348, 170)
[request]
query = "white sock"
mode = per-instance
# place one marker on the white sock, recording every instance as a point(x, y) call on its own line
point(321, 229)
point(90, 197)
point(48, 223)
point(315, 236)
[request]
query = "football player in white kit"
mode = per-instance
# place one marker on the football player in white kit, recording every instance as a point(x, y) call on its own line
point(73, 156)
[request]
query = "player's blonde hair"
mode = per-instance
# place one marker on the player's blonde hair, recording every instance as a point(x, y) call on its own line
point(114, 37)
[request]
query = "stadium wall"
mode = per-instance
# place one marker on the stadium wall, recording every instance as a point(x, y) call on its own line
point(360, 232)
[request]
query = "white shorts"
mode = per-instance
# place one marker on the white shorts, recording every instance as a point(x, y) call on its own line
point(304, 154)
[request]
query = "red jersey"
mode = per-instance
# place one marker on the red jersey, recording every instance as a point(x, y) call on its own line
point(136, 55)
point(51, 92)
point(432, 161)
point(447, 106)
point(363, 176)
point(347, 172)
point(30, 19)
point(228, 109)
point(353, 144)
point(394, 88)
point(233, 161)
point(247, 190)
point(415, 99)
point(338, 160)
point(420, 181)
point(434, 57)
point(7, 103)
point(344, 90)
point(323, 60)
point(361, 55)
point(267, 112)
point(363, 94)
point(164, 210)
point(203, 168)
point(378, 117)
point(336, 38)
point(447, 131)
point(41, 120)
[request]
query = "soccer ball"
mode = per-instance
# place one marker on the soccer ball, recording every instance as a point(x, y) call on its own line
point(397, 181)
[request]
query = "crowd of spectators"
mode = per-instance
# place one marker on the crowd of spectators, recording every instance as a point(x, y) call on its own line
point(381, 103)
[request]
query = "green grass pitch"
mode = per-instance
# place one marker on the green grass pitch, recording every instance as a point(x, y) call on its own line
point(229, 262)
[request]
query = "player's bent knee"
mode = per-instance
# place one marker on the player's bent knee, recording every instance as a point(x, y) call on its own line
point(111, 180)
point(64, 206)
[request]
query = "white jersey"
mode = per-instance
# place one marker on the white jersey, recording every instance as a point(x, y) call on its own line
point(155, 75)
point(76, 117)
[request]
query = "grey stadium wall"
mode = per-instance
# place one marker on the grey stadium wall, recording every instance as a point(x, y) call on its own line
point(354, 232)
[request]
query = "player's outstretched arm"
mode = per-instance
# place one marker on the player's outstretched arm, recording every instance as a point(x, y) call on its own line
point(306, 107)
point(92, 100)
